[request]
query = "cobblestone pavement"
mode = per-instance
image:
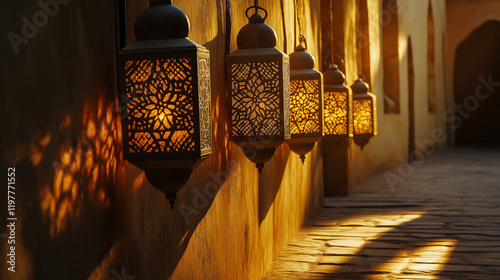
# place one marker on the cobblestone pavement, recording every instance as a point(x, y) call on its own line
point(443, 222)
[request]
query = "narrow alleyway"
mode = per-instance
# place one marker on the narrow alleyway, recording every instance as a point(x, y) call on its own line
point(443, 222)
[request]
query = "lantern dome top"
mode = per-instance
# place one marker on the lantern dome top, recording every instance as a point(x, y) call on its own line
point(301, 59)
point(332, 75)
point(360, 86)
point(256, 33)
point(161, 20)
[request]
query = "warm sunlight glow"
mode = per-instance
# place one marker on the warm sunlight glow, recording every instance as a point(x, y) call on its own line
point(426, 258)
point(346, 243)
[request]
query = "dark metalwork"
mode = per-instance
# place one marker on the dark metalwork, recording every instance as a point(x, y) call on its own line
point(258, 91)
point(306, 103)
point(165, 91)
point(364, 112)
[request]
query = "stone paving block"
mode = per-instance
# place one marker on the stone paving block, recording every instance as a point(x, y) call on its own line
point(291, 266)
point(341, 260)
point(345, 243)
point(333, 251)
point(299, 258)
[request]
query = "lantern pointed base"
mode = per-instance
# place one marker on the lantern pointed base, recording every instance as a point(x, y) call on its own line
point(301, 147)
point(259, 156)
point(303, 159)
point(168, 181)
point(362, 142)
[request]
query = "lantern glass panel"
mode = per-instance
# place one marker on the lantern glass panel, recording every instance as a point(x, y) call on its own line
point(161, 113)
point(167, 99)
point(260, 95)
point(337, 113)
point(363, 116)
point(305, 107)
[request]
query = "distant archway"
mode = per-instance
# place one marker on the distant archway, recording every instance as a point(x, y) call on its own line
point(477, 97)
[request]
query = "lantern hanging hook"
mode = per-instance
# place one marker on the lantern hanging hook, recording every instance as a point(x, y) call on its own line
point(332, 56)
point(302, 39)
point(257, 8)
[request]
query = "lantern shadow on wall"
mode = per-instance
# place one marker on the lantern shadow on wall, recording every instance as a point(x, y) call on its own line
point(164, 83)
point(258, 91)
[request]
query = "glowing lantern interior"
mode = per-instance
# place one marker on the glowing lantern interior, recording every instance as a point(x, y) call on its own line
point(363, 116)
point(256, 99)
point(337, 113)
point(160, 105)
point(305, 106)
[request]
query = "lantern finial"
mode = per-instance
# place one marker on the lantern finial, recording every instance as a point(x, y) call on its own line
point(161, 20)
point(256, 33)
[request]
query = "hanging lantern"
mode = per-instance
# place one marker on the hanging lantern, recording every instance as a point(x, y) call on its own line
point(258, 91)
point(365, 113)
point(306, 103)
point(165, 90)
point(337, 105)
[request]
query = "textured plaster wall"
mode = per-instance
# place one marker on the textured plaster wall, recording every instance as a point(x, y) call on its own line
point(389, 149)
point(464, 17)
point(83, 212)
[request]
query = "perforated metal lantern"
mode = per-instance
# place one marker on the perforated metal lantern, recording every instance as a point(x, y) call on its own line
point(258, 91)
point(364, 112)
point(165, 92)
point(337, 105)
point(306, 103)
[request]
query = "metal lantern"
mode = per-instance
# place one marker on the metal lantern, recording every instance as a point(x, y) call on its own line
point(337, 105)
point(165, 90)
point(306, 103)
point(365, 113)
point(258, 91)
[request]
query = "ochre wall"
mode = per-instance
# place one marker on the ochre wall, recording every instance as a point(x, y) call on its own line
point(83, 212)
point(389, 149)
point(464, 17)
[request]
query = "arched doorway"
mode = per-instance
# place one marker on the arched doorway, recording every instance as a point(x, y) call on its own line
point(477, 87)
